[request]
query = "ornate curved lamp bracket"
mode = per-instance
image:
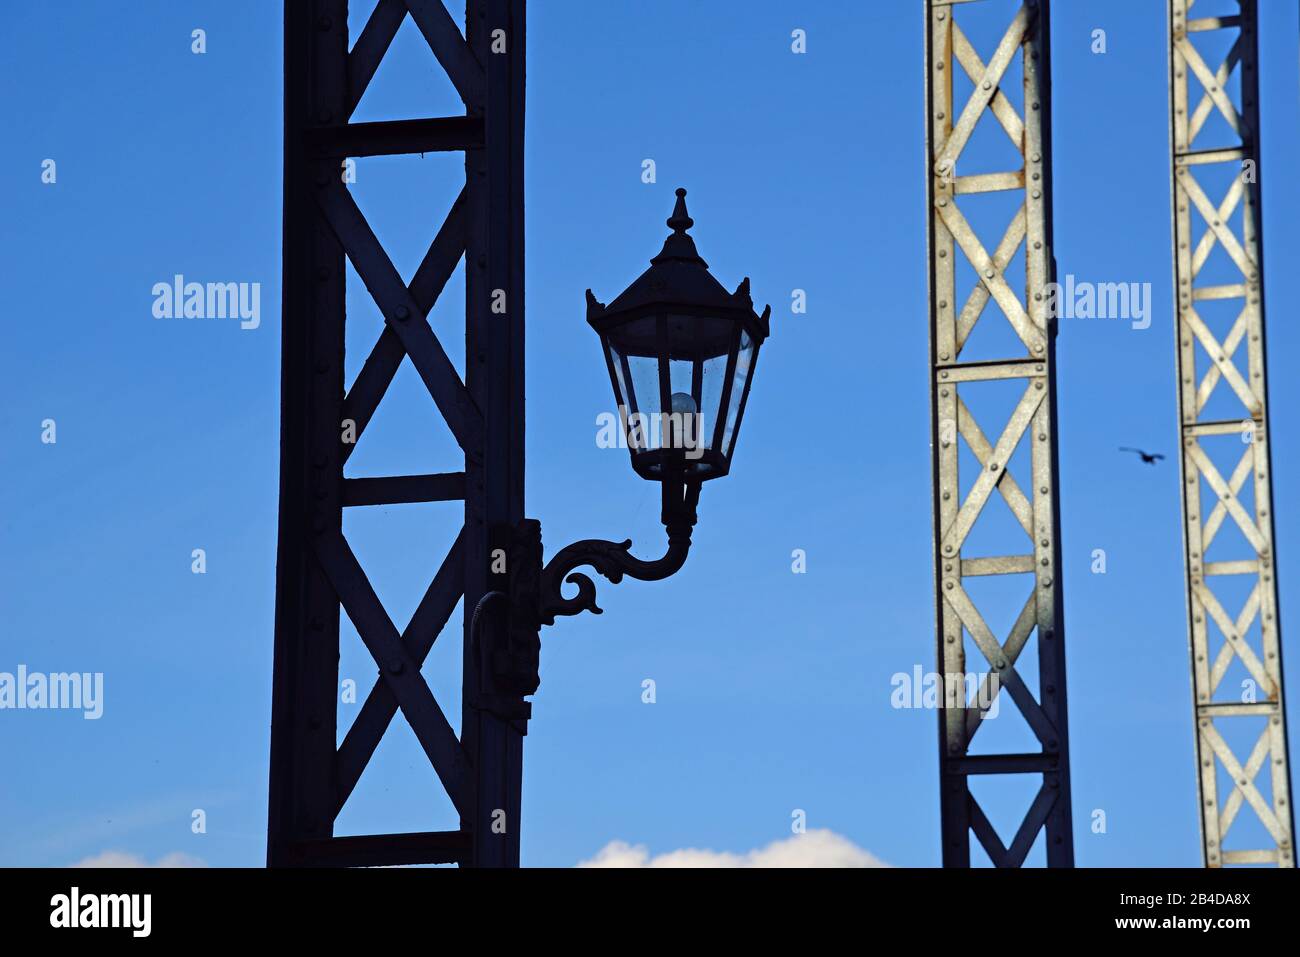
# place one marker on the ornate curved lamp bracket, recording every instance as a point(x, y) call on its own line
point(613, 559)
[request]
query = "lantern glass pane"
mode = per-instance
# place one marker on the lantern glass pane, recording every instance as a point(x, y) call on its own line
point(744, 362)
point(620, 380)
point(715, 370)
point(645, 390)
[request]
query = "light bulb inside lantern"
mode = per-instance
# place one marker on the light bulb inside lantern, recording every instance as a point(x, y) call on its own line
point(684, 421)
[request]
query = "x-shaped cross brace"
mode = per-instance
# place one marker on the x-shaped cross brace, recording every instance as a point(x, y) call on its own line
point(1243, 781)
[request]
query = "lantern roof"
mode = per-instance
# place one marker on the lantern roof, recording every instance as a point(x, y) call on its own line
point(679, 278)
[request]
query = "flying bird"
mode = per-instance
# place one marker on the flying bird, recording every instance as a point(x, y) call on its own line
point(1150, 458)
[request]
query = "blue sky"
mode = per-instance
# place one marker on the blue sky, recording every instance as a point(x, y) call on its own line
point(773, 688)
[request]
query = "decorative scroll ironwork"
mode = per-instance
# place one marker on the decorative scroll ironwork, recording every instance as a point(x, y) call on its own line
point(613, 561)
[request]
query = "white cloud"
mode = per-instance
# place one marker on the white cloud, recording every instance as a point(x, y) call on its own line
point(123, 859)
point(817, 848)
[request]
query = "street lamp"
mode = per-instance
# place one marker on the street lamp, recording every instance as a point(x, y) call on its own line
point(681, 352)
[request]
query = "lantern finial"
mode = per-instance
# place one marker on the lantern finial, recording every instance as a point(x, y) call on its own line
point(680, 246)
point(680, 220)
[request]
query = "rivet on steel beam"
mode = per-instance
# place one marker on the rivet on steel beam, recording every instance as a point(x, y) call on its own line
point(402, 313)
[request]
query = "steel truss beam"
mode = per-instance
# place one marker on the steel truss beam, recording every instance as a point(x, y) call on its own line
point(1221, 712)
point(317, 572)
point(1033, 499)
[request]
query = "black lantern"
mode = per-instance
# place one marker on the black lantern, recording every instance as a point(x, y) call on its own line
point(681, 353)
